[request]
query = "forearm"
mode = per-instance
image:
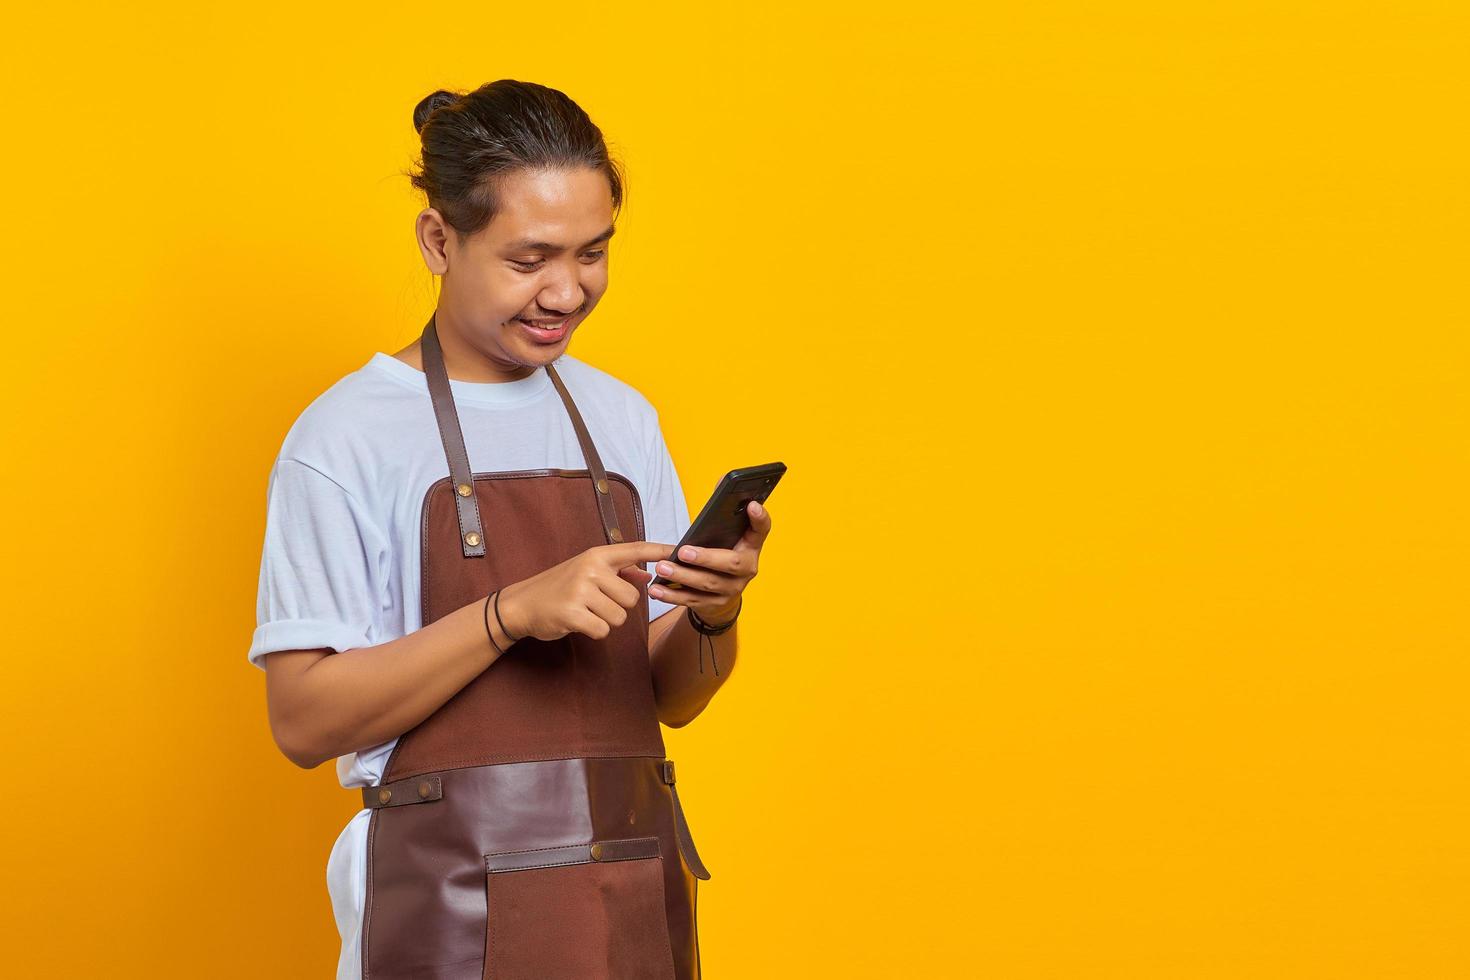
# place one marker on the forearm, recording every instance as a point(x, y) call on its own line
point(680, 690)
point(357, 698)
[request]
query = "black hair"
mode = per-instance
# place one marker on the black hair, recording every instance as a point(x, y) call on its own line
point(470, 141)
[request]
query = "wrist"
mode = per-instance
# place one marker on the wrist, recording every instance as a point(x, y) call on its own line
point(506, 615)
point(718, 617)
point(497, 644)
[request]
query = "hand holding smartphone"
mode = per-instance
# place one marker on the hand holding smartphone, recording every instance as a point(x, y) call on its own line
point(723, 520)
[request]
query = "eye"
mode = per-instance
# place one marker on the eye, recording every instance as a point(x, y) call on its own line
point(526, 266)
point(595, 256)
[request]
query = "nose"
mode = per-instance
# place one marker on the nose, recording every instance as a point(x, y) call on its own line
point(562, 296)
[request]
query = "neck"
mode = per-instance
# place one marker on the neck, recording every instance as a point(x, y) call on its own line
point(464, 361)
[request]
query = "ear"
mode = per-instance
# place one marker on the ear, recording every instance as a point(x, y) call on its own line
point(433, 236)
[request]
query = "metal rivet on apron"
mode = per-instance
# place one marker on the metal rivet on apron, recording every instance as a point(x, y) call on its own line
point(615, 534)
point(424, 790)
point(602, 486)
point(597, 852)
point(384, 795)
point(465, 489)
point(472, 539)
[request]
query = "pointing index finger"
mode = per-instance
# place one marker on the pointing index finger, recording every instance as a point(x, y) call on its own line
point(634, 553)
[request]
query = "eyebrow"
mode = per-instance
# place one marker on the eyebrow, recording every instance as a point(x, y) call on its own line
point(526, 243)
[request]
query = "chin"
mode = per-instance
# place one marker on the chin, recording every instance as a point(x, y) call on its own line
point(544, 353)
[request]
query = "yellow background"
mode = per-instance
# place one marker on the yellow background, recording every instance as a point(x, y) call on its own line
point(1112, 625)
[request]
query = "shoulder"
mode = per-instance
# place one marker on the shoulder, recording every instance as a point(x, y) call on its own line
point(342, 427)
point(610, 392)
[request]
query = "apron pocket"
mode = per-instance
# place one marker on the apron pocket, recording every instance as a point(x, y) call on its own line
point(585, 910)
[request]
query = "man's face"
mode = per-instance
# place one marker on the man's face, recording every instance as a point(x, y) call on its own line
point(542, 259)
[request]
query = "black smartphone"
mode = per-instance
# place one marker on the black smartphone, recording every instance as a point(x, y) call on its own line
point(723, 519)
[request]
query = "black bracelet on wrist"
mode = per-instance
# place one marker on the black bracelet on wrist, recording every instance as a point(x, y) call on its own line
point(705, 629)
point(487, 625)
point(512, 639)
point(496, 596)
point(709, 630)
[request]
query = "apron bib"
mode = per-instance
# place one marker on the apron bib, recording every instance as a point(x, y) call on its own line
point(529, 827)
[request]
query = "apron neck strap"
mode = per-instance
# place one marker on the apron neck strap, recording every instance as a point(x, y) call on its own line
point(466, 502)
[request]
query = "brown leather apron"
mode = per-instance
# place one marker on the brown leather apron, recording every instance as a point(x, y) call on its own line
point(529, 828)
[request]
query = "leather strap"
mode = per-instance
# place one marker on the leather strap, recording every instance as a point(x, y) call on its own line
point(415, 789)
point(628, 849)
point(466, 501)
point(681, 827)
point(603, 492)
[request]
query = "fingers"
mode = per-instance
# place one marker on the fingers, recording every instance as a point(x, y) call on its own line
point(619, 589)
point(698, 578)
point(731, 561)
point(632, 553)
point(694, 598)
point(636, 575)
point(609, 615)
point(590, 624)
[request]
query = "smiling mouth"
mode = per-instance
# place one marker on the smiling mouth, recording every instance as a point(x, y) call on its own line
point(556, 333)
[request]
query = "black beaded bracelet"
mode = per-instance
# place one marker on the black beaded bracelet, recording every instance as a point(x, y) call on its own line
point(705, 629)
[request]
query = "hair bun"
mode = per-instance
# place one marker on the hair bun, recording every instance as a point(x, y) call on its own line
point(430, 102)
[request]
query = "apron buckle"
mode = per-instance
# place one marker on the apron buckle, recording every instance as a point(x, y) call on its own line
point(668, 771)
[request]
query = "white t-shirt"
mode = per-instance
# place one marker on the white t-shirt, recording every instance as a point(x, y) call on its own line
point(340, 566)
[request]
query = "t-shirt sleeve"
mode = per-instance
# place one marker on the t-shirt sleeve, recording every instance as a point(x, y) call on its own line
point(322, 567)
point(665, 514)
